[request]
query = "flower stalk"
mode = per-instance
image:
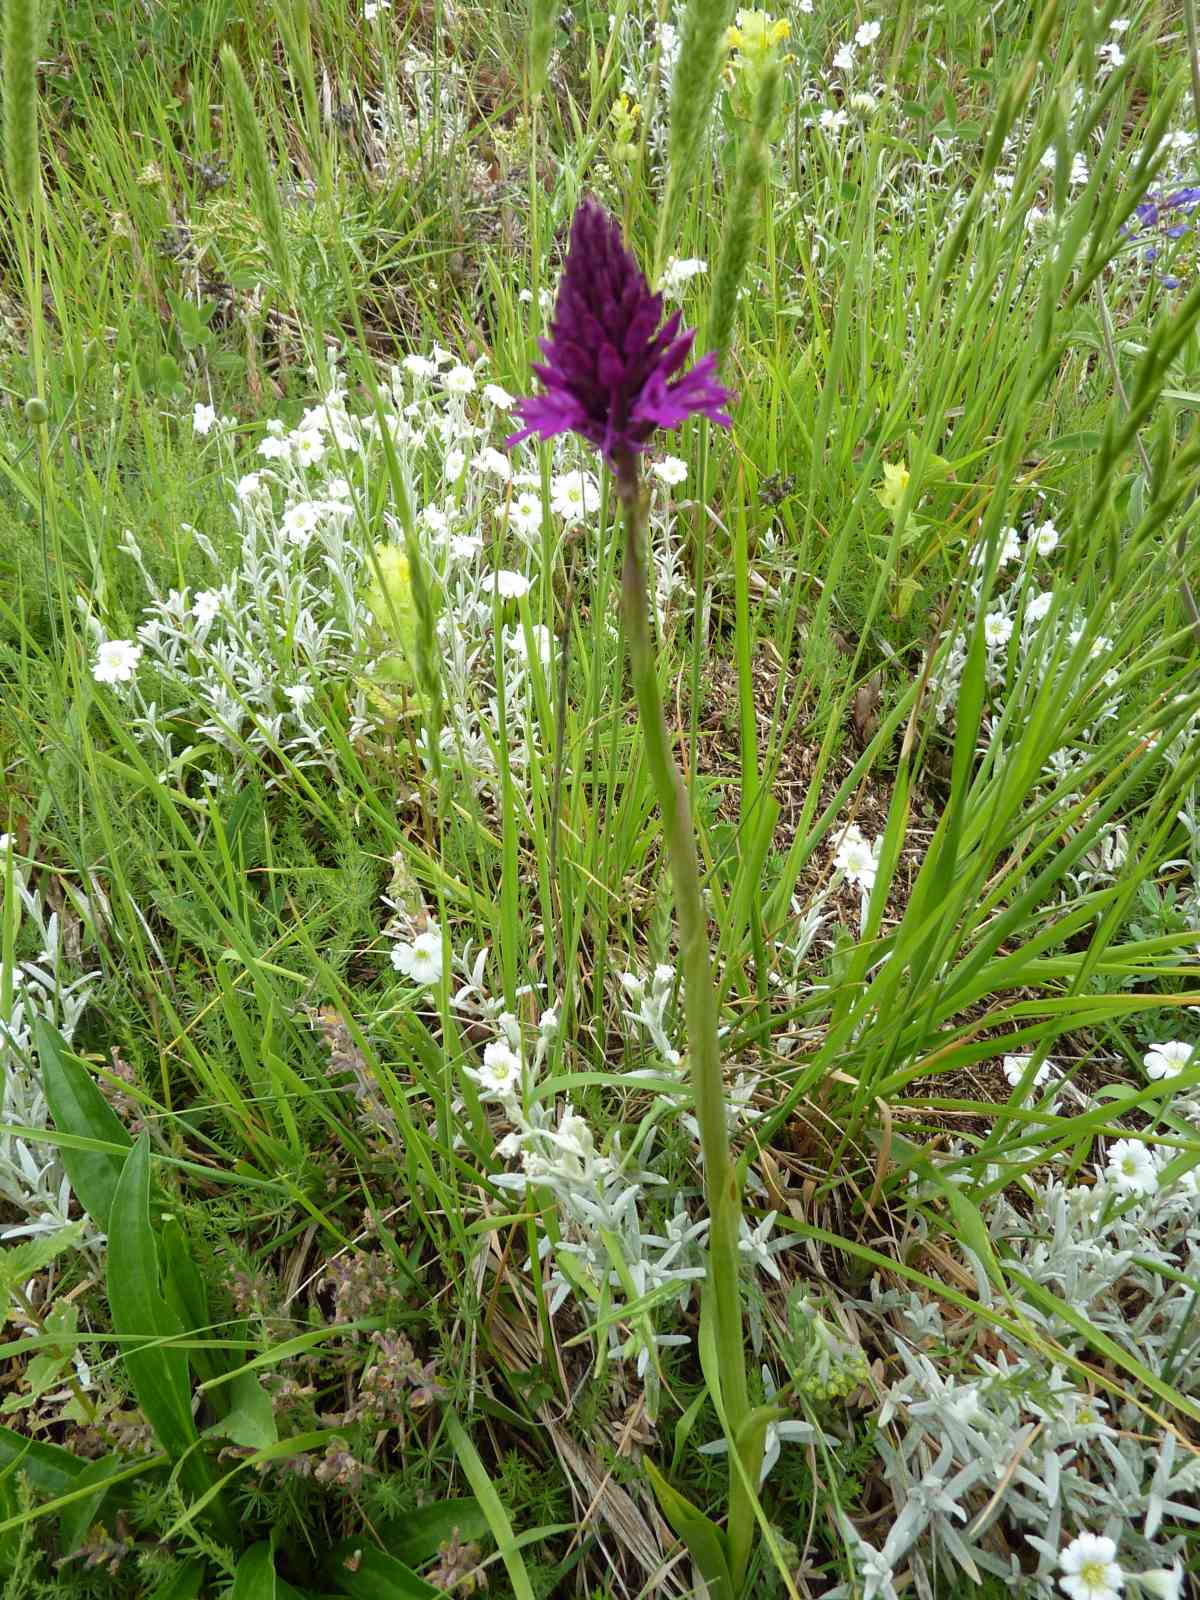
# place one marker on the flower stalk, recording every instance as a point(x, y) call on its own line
point(700, 1009)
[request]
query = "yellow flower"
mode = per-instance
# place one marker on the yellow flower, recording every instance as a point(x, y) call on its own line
point(390, 598)
point(891, 492)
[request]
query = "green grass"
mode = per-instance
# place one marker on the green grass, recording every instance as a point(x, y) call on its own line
point(280, 1135)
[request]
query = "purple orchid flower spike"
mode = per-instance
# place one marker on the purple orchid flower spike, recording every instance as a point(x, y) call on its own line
point(611, 370)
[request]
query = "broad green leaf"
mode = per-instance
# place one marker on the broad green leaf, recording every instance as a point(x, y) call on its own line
point(250, 1420)
point(704, 1540)
point(20, 1262)
point(366, 1573)
point(77, 1518)
point(183, 1585)
point(185, 1293)
point(49, 1468)
point(255, 1576)
point(77, 1106)
point(419, 1535)
point(158, 1373)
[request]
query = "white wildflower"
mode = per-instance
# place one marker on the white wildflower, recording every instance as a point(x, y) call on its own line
point(1015, 1068)
point(1165, 1060)
point(1132, 1167)
point(1090, 1568)
point(420, 958)
point(1044, 538)
point(116, 661)
point(574, 495)
point(997, 629)
point(511, 585)
point(670, 470)
point(858, 857)
point(460, 380)
point(678, 274)
point(204, 418)
point(206, 606)
point(308, 447)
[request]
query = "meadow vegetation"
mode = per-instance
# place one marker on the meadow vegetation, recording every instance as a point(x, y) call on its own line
point(368, 1054)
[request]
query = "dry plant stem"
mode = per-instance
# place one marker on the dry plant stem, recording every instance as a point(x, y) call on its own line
point(700, 1008)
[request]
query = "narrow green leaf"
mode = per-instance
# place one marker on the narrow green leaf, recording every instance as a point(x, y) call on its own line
point(704, 1540)
point(78, 1107)
point(485, 1491)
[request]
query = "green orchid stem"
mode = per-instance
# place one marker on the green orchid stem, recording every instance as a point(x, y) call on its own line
point(700, 1009)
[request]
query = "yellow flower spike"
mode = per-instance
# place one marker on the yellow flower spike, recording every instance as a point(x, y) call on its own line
point(891, 492)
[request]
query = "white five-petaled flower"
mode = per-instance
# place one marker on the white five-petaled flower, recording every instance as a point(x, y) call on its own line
point(308, 446)
point(1039, 606)
point(204, 418)
point(420, 958)
point(418, 366)
point(206, 606)
point(1165, 1060)
point(997, 629)
point(116, 661)
point(1015, 1068)
point(1132, 1167)
point(460, 380)
point(843, 61)
point(516, 641)
point(1044, 538)
point(523, 513)
point(1010, 550)
point(1090, 1569)
point(500, 1073)
point(493, 461)
point(831, 121)
point(498, 397)
point(511, 585)
point(857, 857)
point(670, 470)
point(574, 494)
point(867, 35)
point(300, 520)
point(248, 485)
